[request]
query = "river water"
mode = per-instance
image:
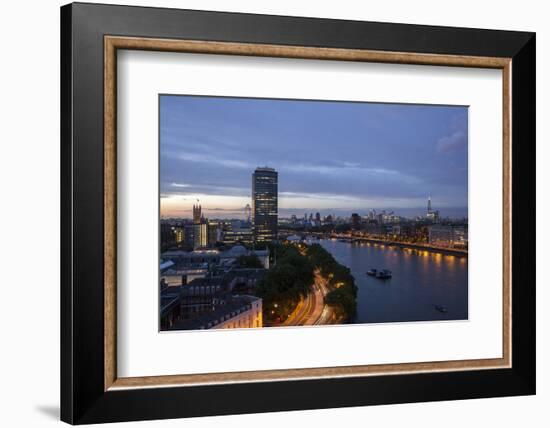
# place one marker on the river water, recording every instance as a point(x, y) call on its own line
point(421, 281)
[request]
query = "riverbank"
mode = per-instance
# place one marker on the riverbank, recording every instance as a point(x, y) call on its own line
point(342, 291)
point(412, 246)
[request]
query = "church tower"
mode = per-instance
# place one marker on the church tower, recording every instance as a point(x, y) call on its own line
point(197, 214)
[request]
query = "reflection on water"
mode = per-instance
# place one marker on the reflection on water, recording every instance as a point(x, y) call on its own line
point(421, 282)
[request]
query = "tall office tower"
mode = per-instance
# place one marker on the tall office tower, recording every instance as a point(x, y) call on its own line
point(197, 214)
point(265, 204)
point(429, 204)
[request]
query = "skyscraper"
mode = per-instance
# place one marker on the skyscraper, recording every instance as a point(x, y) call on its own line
point(265, 204)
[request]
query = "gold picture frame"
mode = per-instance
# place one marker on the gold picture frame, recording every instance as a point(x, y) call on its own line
point(114, 43)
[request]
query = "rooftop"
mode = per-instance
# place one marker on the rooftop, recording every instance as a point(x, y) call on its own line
point(234, 307)
point(169, 297)
point(265, 169)
point(249, 273)
point(166, 264)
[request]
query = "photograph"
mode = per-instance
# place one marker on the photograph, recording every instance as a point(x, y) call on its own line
point(280, 210)
point(289, 212)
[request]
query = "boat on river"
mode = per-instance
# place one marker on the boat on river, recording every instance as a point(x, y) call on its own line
point(384, 274)
point(380, 274)
point(440, 308)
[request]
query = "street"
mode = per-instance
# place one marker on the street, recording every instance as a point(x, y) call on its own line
point(312, 310)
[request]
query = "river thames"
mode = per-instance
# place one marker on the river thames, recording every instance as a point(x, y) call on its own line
point(425, 286)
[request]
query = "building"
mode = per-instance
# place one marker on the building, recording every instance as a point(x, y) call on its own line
point(179, 232)
point(238, 231)
point(432, 215)
point(265, 204)
point(209, 256)
point(230, 256)
point(189, 235)
point(448, 236)
point(355, 221)
point(460, 237)
point(182, 275)
point(213, 257)
point(196, 235)
point(214, 302)
point(172, 233)
point(170, 309)
point(214, 233)
point(239, 311)
point(200, 296)
point(243, 312)
point(197, 214)
point(200, 234)
point(243, 280)
point(238, 235)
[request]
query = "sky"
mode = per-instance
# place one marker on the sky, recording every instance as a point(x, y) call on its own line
point(332, 157)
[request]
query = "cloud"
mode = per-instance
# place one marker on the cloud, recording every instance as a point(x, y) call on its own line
point(333, 154)
point(455, 141)
point(213, 160)
point(349, 169)
point(208, 189)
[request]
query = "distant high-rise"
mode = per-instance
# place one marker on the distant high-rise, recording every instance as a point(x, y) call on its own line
point(355, 221)
point(432, 215)
point(265, 204)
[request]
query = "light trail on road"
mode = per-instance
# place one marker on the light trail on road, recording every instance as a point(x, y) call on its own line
point(312, 309)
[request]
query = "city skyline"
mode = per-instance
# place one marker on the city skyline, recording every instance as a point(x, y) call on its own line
point(334, 157)
point(307, 177)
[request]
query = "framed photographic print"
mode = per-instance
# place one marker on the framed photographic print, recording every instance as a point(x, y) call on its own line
point(265, 213)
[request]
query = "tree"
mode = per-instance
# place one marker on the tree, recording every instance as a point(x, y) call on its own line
point(286, 282)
